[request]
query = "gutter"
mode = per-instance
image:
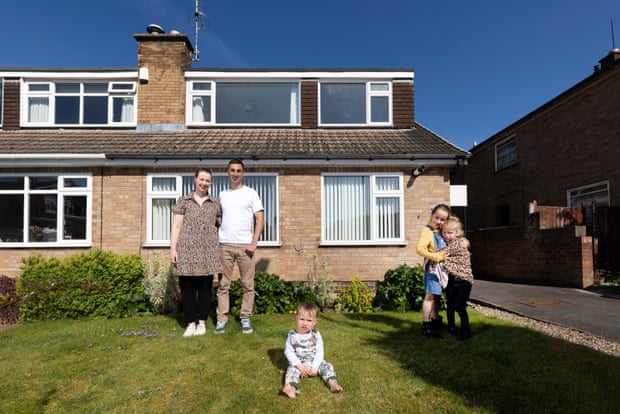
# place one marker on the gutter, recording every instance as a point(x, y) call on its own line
point(133, 160)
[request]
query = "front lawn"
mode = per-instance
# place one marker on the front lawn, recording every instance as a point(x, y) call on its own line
point(383, 362)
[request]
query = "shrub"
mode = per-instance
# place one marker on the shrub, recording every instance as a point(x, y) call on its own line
point(96, 283)
point(321, 281)
point(355, 298)
point(9, 301)
point(160, 285)
point(272, 294)
point(401, 290)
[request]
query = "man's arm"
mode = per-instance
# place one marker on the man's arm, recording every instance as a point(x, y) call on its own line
point(259, 223)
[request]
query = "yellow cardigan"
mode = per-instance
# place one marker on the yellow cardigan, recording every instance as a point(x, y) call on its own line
point(426, 246)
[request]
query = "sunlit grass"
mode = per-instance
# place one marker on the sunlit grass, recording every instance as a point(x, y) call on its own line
point(383, 362)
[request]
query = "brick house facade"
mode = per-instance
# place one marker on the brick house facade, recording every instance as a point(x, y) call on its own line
point(561, 154)
point(121, 162)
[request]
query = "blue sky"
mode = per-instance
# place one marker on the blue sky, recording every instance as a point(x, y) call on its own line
point(479, 65)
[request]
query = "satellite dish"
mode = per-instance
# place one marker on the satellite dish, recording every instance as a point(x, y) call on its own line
point(154, 28)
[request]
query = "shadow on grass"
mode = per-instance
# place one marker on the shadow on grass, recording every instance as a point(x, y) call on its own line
point(278, 359)
point(502, 368)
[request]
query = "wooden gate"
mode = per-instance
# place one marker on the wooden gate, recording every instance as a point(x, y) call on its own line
point(606, 232)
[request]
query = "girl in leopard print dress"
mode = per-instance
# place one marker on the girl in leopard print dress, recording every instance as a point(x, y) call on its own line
point(460, 279)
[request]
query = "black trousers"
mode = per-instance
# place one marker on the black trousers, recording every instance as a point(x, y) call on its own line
point(196, 297)
point(457, 295)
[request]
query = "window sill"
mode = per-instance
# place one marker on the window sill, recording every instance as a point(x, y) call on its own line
point(44, 245)
point(398, 243)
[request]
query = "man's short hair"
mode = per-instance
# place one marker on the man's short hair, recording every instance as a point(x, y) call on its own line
point(236, 161)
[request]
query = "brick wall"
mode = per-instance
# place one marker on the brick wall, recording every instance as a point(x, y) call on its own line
point(529, 254)
point(403, 104)
point(570, 143)
point(162, 98)
point(119, 223)
point(309, 104)
point(10, 106)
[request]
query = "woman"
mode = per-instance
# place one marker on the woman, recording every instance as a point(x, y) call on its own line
point(194, 250)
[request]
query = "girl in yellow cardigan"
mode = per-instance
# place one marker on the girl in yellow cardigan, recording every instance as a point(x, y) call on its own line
point(429, 243)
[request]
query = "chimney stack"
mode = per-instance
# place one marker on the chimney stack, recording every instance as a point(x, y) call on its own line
point(162, 60)
point(612, 57)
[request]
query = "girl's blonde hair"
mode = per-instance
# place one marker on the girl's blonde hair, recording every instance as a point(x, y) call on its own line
point(454, 220)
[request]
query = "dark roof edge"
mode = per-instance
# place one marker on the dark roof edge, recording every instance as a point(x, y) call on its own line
point(594, 77)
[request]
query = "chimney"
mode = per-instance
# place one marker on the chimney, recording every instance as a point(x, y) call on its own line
point(162, 60)
point(612, 57)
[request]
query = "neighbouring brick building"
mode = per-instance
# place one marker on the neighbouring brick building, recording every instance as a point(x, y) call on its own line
point(95, 158)
point(564, 153)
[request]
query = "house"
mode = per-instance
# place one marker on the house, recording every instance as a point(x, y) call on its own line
point(95, 158)
point(562, 154)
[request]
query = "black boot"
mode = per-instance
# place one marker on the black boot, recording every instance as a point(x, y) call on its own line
point(428, 331)
point(464, 336)
point(454, 331)
point(437, 323)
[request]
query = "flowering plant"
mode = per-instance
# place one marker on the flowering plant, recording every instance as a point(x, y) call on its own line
point(36, 232)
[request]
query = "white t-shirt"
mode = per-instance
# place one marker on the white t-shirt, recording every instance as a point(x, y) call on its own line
point(238, 209)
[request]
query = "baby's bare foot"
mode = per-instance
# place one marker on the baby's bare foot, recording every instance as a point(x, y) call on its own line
point(289, 391)
point(334, 386)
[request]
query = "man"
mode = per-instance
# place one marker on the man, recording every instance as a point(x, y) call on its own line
point(242, 223)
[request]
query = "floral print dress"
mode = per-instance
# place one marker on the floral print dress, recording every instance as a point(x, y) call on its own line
point(198, 247)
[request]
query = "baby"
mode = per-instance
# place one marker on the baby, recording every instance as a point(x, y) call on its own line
point(304, 351)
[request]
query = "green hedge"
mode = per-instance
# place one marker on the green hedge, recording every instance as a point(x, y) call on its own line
point(97, 283)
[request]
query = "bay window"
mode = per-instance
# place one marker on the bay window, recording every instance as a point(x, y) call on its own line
point(362, 209)
point(43, 209)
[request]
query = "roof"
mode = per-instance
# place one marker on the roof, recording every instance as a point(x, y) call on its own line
point(259, 144)
point(612, 64)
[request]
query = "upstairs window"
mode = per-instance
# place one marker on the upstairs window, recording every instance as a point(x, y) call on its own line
point(505, 154)
point(243, 103)
point(351, 103)
point(76, 103)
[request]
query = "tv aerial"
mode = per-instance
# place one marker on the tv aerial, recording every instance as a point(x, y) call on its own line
point(201, 22)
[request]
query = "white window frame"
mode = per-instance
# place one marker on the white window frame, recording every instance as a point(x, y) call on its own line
point(586, 192)
point(374, 195)
point(508, 143)
point(370, 93)
point(192, 93)
point(211, 93)
point(271, 216)
point(61, 192)
point(114, 91)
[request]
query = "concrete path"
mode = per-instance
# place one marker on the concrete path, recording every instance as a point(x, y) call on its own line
point(580, 309)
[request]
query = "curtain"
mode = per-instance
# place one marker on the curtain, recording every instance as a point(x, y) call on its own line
point(347, 208)
point(38, 109)
point(201, 110)
point(388, 218)
point(294, 104)
point(127, 110)
point(162, 218)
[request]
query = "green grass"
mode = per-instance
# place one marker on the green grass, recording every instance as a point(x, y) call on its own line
point(382, 360)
